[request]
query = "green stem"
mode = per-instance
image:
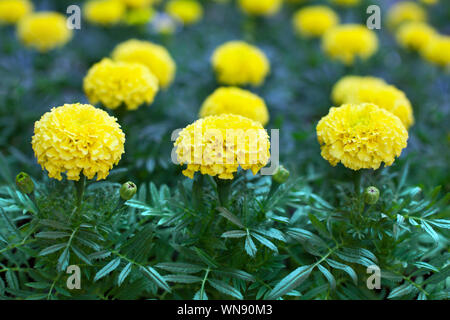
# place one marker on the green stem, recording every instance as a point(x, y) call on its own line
point(223, 190)
point(79, 186)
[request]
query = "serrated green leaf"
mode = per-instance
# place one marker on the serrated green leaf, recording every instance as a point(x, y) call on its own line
point(225, 288)
point(110, 267)
point(290, 282)
point(155, 277)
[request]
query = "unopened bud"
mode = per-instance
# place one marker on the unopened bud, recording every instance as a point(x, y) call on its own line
point(24, 183)
point(371, 195)
point(128, 190)
point(281, 175)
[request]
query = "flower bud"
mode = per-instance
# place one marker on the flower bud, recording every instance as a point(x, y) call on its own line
point(371, 195)
point(128, 190)
point(281, 175)
point(24, 183)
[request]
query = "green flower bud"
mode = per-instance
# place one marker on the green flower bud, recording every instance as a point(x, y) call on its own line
point(281, 175)
point(128, 190)
point(371, 195)
point(24, 183)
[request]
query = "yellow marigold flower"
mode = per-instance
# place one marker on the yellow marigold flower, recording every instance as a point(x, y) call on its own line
point(235, 101)
point(11, 11)
point(348, 84)
point(44, 31)
point(361, 136)
point(115, 83)
point(346, 3)
point(414, 35)
point(104, 12)
point(139, 16)
point(153, 56)
point(239, 63)
point(406, 11)
point(218, 145)
point(185, 11)
point(138, 3)
point(77, 138)
point(313, 21)
point(260, 7)
point(437, 50)
point(356, 89)
point(346, 42)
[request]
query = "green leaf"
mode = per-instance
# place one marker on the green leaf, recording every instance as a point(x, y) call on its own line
point(54, 224)
point(265, 242)
point(402, 290)
point(318, 225)
point(328, 275)
point(52, 249)
point(110, 267)
point(11, 280)
point(228, 215)
point(235, 273)
point(52, 234)
point(428, 229)
point(199, 295)
point(225, 288)
point(205, 258)
point(250, 247)
point(124, 273)
point(38, 285)
point(180, 267)
point(343, 267)
point(182, 278)
point(63, 260)
point(80, 254)
point(290, 282)
point(155, 277)
point(234, 234)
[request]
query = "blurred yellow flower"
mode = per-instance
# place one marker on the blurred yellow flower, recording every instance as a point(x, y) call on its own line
point(355, 90)
point(185, 11)
point(77, 139)
point(347, 3)
point(414, 35)
point(437, 50)
point(11, 11)
point(429, 2)
point(348, 41)
point(260, 7)
point(235, 101)
point(104, 12)
point(116, 83)
point(44, 31)
point(218, 145)
point(139, 16)
point(239, 63)
point(406, 11)
point(313, 21)
point(153, 56)
point(361, 136)
point(138, 3)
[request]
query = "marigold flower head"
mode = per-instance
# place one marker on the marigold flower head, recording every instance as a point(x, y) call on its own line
point(218, 145)
point(104, 12)
point(155, 57)
point(139, 16)
point(313, 21)
point(44, 31)
point(348, 41)
point(239, 63)
point(346, 3)
point(376, 91)
point(361, 136)
point(185, 11)
point(260, 7)
point(414, 35)
point(11, 11)
point(406, 11)
point(77, 139)
point(113, 83)
point(348, 84)
point(437, 50)
point(235, 101)
point(138, 3)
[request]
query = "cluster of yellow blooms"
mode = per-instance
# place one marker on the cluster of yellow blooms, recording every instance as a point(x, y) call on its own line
point(314, 21)
point(75, 139)
point(185, 11)
point(104, 12)
point(155, 57)
point(218, 145)
point(361, 136)
point(405, 11)
point(239, 63)
point(260, 7)
point(114, 83)
point(347, 42)
point(11, 11)
point(356, 90)
point(235, 101)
